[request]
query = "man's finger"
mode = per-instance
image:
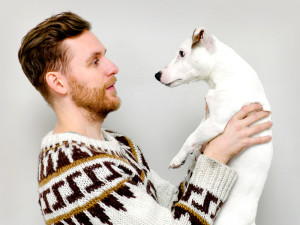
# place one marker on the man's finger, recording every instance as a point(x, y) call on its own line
point(254, 117)
point(259, 140)
point(259, 128)
point(247, 109)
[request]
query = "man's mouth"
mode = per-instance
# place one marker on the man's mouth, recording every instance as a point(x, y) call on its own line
point(111, 83)
point(111, 86)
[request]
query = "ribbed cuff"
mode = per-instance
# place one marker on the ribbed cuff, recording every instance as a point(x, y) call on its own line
point(213, 176)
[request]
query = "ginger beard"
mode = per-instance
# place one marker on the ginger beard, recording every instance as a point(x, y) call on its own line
point(94, 100)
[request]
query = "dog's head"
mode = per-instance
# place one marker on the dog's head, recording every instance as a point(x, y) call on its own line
point(193, 61)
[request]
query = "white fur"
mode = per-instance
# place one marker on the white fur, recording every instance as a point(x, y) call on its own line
point(232, 84)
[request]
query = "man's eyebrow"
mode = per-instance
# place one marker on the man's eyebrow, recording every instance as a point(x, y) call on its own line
point(93, 55)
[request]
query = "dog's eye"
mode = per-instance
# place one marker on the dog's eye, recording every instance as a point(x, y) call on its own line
point(181, 53)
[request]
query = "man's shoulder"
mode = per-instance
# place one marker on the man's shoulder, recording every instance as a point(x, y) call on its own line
point(63, 153)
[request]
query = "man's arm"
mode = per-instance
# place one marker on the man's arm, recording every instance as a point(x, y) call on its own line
point(236, 138)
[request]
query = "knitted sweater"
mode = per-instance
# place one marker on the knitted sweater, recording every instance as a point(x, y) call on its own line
point(86, 181)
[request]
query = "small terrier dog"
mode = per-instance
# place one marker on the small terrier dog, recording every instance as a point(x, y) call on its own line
point(232, 84)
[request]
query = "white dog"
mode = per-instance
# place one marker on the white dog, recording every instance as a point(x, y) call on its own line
point(232, 84)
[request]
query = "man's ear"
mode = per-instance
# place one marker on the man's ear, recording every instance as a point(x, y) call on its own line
point(204, 38)
point(56, 82)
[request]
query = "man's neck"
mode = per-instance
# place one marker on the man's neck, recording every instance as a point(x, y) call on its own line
point(79, 122)
point(91, 131)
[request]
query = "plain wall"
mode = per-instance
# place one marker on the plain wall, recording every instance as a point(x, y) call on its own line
point(141, 38)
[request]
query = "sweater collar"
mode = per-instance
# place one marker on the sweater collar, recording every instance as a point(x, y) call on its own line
point(110, 143)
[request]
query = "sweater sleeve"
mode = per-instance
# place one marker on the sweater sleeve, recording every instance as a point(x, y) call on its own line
point(202, 193)
point(84, 184)
point(167, 192)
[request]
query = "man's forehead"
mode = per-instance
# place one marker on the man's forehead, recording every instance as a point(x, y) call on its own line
point(85, 43)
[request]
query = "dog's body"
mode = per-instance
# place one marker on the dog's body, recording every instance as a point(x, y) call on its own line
point(232, 84)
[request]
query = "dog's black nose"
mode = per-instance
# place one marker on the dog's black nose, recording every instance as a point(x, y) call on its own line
point(158, 75)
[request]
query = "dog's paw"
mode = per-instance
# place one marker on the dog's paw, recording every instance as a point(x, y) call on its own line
point(177, 161)
point(175, 164)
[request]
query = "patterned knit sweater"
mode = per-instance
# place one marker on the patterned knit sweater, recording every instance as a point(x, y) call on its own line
point(86, 181)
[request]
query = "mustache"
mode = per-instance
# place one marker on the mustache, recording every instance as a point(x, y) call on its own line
point(111, 82)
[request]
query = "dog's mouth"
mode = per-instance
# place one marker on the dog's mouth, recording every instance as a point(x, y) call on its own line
point(174, 83)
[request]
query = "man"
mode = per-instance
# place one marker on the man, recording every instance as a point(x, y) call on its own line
point(88, 175)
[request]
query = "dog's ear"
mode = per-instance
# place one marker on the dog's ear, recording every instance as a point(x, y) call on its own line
point(203, 38)
point(196, 38)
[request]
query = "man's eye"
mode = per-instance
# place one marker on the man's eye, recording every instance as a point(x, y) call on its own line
point(95, 62)
point(181, 53)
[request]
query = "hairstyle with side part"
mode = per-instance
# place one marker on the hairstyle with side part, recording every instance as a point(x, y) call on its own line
point(42, 50)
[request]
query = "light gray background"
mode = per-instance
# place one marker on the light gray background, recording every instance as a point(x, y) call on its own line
point(141, 38)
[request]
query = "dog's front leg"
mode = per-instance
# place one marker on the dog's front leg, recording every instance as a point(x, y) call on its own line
point(207, 130)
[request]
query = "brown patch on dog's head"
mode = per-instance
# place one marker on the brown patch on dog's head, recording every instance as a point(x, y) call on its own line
point(196, 38)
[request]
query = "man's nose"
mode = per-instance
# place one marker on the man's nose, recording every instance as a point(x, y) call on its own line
point(112, 68)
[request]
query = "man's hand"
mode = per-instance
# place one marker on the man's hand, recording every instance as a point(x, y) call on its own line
point(238, 133)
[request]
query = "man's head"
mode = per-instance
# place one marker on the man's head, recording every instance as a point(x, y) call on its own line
point(42, 48)
point(62, 58)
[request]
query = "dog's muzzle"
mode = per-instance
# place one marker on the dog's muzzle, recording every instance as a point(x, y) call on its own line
point(158, 75)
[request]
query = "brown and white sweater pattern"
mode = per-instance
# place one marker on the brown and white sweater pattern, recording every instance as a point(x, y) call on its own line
point(86, 181)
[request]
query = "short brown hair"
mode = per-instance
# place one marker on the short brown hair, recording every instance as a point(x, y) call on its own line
point(42, 51)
